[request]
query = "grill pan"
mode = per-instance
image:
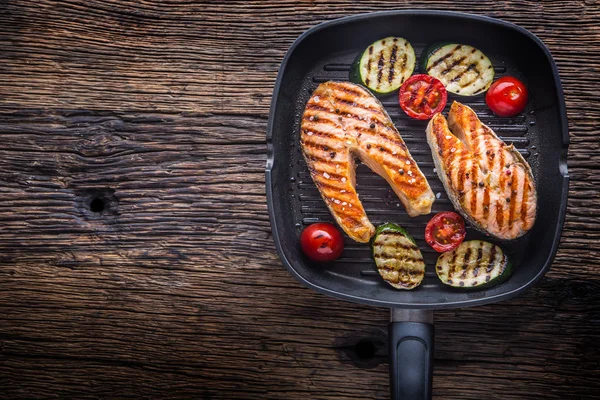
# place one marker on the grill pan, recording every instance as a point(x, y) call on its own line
point(325, 52)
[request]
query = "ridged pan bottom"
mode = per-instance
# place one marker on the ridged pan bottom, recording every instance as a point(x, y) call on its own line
point(380, 203)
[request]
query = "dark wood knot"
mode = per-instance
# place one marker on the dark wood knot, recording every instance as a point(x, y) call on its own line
point(364, 349)
point(97, 204)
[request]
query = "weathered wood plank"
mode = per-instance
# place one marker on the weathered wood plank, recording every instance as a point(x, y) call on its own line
point(175, 290)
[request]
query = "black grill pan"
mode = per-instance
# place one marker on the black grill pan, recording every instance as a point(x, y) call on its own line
point(324, 53)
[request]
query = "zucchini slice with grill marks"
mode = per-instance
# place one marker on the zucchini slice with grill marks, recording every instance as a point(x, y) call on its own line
point(398, 258)
point(463, 69)
point(384, 65)
point(474, 264)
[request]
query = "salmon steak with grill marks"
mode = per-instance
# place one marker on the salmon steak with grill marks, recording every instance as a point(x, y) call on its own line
point(488, 181)
point(342, 121)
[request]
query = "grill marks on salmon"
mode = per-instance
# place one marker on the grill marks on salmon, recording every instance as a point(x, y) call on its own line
point(488, 181)
point(342, 121)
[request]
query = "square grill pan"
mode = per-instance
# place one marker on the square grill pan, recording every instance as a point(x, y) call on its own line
point(540, 133)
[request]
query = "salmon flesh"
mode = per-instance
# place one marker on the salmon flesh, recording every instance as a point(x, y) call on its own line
point(342, 121)
point(488, 181)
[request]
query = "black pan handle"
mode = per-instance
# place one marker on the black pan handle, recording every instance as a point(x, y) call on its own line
point(411, 354)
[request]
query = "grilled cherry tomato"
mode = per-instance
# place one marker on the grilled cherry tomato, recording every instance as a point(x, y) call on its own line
point(445, 231)
point(422, 96)
point(322, 242)
point(507, 97)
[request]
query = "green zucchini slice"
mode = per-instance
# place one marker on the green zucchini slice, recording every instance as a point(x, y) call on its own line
point(384, 65)
point(463, 69)
point(473, 264)
point(397, 257)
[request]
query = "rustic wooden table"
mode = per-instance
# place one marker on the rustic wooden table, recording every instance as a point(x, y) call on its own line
point(136, 259)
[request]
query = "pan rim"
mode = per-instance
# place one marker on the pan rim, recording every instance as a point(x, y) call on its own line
point(562, 157)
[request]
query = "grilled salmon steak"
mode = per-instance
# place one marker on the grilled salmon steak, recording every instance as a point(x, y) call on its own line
point(342, 120)
point(488, 181)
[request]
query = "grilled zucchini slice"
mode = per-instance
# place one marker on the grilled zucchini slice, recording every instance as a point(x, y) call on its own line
point(463, 69)
point(473, 264)
point(384, 65)
point(398, 258)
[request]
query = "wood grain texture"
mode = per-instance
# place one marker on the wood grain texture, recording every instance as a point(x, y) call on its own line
point(174, 290)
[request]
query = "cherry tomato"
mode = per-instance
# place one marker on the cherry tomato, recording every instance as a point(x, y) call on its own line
point(445, 231)
point(507, 97)
point(322, 242)
point(422, 96)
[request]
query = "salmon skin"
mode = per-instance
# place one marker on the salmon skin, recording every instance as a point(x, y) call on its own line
point(488, 181)
point(343, 120)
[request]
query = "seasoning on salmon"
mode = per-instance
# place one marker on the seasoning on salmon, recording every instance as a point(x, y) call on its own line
point(342, 121)
point(488, 181)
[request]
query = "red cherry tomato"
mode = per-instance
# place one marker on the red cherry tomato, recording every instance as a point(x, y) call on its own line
point(507, 97)
point(445, 231)
point(422, 96)
point(322, 242)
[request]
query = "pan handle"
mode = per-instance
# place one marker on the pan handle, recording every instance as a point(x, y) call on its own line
point(411, 354)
